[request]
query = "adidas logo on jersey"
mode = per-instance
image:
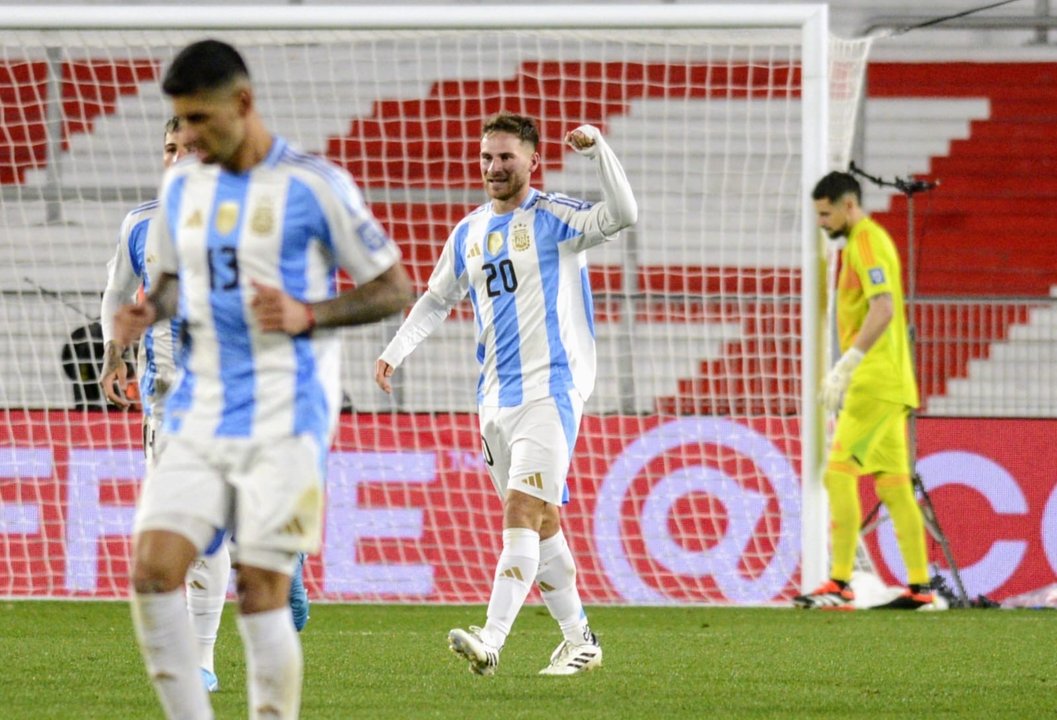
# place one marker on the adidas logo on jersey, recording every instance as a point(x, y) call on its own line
point(293, 527)
point(475, 251)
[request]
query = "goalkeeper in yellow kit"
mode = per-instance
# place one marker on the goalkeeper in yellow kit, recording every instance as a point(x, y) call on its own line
point(875, 379)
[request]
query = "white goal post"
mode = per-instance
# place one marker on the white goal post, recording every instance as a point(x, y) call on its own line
point(696, 477)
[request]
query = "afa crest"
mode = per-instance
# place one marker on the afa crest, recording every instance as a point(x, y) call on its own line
point(495, 242)
point(520, 238)
point(263, 219)
point(227, 217)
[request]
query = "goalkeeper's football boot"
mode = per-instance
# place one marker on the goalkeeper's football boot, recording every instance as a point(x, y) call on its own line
point(298, 594)
point(483, 658)
point(913, 598)
point(827, 596)
point(572, 659)
point(209, 680)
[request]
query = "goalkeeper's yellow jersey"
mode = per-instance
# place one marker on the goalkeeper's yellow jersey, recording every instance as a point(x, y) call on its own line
point(870, 266)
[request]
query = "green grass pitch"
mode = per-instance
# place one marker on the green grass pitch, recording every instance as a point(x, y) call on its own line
point(74, 660)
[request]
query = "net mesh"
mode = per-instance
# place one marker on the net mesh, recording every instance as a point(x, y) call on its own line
point(685, 480)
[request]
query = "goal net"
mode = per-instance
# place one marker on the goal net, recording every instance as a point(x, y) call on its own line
point(692, 478)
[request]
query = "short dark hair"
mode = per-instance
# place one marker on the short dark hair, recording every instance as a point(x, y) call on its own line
point(522, 126)
point(835, 186)
point(172, 125)
point(204, 65)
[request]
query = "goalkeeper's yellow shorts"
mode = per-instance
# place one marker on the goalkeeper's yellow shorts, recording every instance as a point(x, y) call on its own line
point(873, 434)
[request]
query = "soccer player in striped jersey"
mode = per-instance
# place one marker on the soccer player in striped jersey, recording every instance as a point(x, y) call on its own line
point(874, 389)
point(207, 582)
point(125, 275)
point(244, 248)
point(521, 258)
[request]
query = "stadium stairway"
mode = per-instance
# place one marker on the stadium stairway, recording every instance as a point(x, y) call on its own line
point(986, 231)
point(954, 126)
point(89, 88)
point(988, 228)
point(410, 142)
point(1014, 378)
point(985, 128)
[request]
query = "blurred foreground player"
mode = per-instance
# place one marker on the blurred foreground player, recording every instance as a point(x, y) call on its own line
point(246, 243)
point(127, 271)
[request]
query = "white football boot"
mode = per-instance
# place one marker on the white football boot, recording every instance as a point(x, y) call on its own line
point(573, 659)
point(483, 658)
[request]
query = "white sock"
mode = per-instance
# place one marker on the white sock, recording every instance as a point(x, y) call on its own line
point(514, 573)
point(273, 664)
point(168, 649)
point(557, 583)
point(207, 588)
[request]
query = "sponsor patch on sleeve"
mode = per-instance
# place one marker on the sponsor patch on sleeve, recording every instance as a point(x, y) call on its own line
point(372, 235)
point(877, 276)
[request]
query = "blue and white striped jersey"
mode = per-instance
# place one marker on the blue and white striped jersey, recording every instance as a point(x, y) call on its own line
point(126, 272)
point(291, 221)
point(526, 274)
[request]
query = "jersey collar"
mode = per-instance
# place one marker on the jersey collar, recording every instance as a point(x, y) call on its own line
point(279, 146)
point(530, 199)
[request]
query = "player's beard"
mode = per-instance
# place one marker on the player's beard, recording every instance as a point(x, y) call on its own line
point(839, 233)
point(514, 185)
point(216, 150)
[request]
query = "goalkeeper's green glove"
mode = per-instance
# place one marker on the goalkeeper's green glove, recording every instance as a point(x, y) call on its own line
point(838, 379)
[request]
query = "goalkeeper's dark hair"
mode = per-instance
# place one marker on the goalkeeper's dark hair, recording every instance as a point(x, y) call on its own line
point(204, 65)
point(522, 126)
point(835, 186)
point(172, 125)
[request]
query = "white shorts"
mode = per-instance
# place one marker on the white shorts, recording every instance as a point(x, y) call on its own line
point(269, 496)
point(528, 448)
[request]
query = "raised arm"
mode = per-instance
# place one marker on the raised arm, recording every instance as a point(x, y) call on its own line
point(618, 209)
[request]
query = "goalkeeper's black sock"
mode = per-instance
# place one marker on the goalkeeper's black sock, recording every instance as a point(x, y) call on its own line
point(919, 588)
point(840, 583)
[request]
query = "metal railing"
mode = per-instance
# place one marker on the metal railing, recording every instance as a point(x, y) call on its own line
point(987, 356)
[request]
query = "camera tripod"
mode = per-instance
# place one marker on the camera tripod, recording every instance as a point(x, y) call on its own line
point(910, 187)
